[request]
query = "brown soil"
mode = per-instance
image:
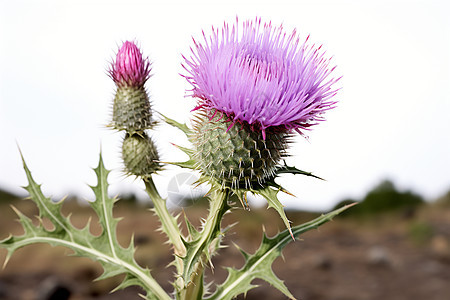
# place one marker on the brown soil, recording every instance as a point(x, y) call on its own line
point(385, 257)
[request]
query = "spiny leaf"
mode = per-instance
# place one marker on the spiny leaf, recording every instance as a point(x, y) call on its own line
point(293, 170)
point(193, 233)
point(104, 248)
point(272, 200)
point(182, 127)
point(259, 264)
point(189, 164)
point(188, 151)
point(46, 207)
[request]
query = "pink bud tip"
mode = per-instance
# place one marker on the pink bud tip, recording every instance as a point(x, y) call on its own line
point(129, 67)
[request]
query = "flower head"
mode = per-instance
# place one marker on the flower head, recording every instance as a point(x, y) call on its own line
point(262, 76)
point(130, 68)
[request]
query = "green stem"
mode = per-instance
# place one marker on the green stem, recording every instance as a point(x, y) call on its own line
point(168, 222)
point(196, 258)
point(194, 290)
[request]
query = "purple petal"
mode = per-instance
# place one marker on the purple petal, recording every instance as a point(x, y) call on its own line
point(261, 75)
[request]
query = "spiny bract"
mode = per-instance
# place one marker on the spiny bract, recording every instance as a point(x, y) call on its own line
point(131, 110)
point(236, 156)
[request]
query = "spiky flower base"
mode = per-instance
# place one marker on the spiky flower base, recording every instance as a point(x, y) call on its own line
point(139, 155)
point(131, 110)
point(236, 155)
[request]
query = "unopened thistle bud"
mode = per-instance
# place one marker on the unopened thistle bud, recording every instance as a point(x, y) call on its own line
point(130, 71)
point(254, 86)
point(139, 155)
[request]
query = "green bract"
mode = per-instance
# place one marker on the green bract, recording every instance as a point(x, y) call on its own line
point(139, 155)
point(131, 110)
point(235, 155)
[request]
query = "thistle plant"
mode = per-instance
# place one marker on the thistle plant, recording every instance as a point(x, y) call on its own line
point(255, 86)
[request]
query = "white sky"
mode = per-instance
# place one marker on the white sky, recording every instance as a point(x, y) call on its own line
point(392, 120)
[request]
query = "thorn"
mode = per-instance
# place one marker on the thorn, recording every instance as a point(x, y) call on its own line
point(211, 265)
point(246, 202)
point(242, 202)
point(8, 256)
point(18, 213)
point(292, 235)
point(286, 192)
point(351, 204)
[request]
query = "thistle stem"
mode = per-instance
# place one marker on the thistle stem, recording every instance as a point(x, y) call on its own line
point(194, 290)
point(218, 208)
point(195, 264)
point(168, 222)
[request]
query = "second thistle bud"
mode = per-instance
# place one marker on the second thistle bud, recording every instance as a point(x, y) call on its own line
point(130, 71)
point(139, 155)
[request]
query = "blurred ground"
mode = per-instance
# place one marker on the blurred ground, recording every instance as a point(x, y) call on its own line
point(393, 255)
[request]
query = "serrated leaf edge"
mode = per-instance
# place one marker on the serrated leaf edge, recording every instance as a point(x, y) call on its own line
point(284, 239)
point(152, 288)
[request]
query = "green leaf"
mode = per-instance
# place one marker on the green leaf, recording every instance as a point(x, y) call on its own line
point(182, 127)
point(190, 163)
point(293, 170)
point(193, 233)
point(104, 248)
point(259, 264)
point(272, 200)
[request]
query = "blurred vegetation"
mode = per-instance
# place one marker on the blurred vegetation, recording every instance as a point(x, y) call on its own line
point(420, 232)
point(383, 198)
point(444, 201)
point(6, 196)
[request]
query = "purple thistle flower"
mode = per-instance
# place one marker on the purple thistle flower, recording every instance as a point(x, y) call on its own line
point(130, 68)
point(262, 76)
